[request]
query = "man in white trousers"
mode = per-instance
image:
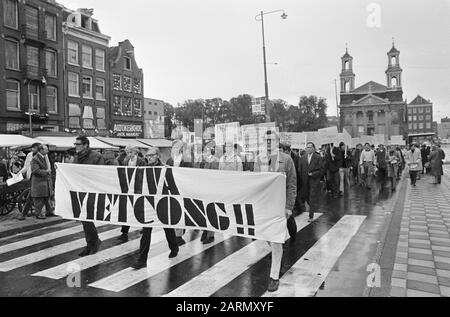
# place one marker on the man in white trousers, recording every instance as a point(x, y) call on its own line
point(273, 160)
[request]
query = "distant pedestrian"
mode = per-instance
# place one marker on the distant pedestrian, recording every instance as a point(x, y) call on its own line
point(414, 161)
point(367, 163)
point(436, 165)
point(41, 184)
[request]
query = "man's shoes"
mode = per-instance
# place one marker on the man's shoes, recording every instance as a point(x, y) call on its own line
point(21, 218)
point(51, 215)
point(311, 220)
point(208, 240)
point(173, 254)
point(273, 285)
point(96, 247)
point(180, 241)
point(123, 238)
point(85, 252)
point(40, 217)
point(139, 265)
point(204, 234)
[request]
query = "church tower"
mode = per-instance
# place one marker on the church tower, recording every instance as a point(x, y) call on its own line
point(394, 72)
point(347, 75)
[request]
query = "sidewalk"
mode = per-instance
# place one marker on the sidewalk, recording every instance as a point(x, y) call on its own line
point(422, 263)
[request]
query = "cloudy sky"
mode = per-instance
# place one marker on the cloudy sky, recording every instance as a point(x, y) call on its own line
point(213, 48)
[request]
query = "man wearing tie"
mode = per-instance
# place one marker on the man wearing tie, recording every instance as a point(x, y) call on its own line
point(310, 173)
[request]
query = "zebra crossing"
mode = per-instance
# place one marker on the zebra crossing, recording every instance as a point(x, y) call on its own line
point(49, 255)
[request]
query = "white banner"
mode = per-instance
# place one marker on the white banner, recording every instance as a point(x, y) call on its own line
point(233, 203)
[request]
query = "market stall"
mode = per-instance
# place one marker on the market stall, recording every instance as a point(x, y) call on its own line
point(66, 143)
point(15, 141)
point(165, 146)
point(123, 143)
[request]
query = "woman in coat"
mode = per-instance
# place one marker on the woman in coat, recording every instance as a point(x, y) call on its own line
point(414, 162)
point(393, 161)
point(436, 165)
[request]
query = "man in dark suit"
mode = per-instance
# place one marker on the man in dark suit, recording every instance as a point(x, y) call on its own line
point(87, 156)
point(310, 172)
point(41, 183)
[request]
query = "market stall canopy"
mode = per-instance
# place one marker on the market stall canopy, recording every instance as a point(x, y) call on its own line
point(15, 140)
point(159, 143)
point(65, 143)
point(124, 142)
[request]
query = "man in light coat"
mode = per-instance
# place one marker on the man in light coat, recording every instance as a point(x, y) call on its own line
point(276, 161)
point(414, 162)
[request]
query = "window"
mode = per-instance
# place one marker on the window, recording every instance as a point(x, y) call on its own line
point(87, 86)
point(51, 63)
point(100, 89)
point(155, 113)
point(12, 94)
point(88, 118)
point(415, 126)
point(74, 116)
point(32, 20)
point(414, 110)
point(87, 56)
point(420, 110)
point(72, 52)
point(52, 99)
point(410, 126)
point(10, 15)
point(428, 125)
point(100, 60)
point(12, 54)
point(127, 63)
point(409, 118)
point(126, 83)
point(410, 111)
point(428, 110)
point(420, 118)
point(117, 82)
point(137, 88)
point(428, 117)
point(370, 115)
point(420, 126)
point(117, 103)
point(127, 107)
point(34, 97)
point(137, 108)
point(74, 86)
point(33, 60)
point(50, 27)
point(414, 118)
point(101, 123)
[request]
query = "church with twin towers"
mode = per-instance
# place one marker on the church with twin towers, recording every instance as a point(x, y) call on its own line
point(373, 108)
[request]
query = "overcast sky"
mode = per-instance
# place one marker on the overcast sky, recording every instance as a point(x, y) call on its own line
point(193, 49)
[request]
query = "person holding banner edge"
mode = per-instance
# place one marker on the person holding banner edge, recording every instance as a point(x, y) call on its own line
point(275, 160)
point(84, 155)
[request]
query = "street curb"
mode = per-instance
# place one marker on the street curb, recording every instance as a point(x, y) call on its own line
point(389, 227)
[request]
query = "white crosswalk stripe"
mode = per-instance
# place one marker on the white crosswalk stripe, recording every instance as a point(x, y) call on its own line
point(307, 275)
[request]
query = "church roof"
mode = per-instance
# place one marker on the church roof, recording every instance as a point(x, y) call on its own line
point(420, 101)
point(393, 50)
point(370, 87)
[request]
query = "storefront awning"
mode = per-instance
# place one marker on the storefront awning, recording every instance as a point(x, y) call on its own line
point(160, 143)
point(15, 140)
point(65, 143)
point(124, 142)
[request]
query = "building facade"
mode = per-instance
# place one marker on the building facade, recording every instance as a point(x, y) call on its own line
point(31, 66)
point(444, 128)
point(126, 92)
point(373, 108)
point(86, 74)
point(420, 116)
point(154, 119)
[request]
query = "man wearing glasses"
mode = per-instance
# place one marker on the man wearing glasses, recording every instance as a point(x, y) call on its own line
point(84, 155)
point(153, 157)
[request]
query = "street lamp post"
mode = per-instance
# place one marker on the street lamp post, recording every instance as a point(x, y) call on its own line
point(260, 17)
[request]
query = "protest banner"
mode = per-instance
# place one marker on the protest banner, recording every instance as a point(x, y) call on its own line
point(227, 132)
point(397, 140)
point(252, 136)
point(294, 139)
point(225, 202)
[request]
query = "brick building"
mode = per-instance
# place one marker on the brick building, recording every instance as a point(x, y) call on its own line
point(373, 108)
point(154, 118)
point(420, 116)
point(31, 66)
point(126, 92)
point(86, 73)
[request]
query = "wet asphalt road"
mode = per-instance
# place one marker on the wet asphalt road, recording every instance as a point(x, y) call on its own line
point(347, 278)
